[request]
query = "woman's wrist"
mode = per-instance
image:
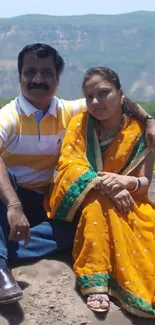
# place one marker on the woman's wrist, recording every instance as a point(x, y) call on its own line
point(132, 183)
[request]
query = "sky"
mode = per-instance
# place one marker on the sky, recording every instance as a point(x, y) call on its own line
point(10, 8)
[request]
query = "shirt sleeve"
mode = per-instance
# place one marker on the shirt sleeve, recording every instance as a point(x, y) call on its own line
point(8, 122)
point(75, 106)
point(70, 108)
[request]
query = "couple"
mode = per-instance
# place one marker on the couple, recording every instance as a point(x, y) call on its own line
point(32, 127)
point(104, 172)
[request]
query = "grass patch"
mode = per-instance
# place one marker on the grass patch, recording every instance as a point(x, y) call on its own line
point(149, 107)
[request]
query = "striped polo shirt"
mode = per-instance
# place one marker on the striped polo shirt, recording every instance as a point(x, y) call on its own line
point(32, 142)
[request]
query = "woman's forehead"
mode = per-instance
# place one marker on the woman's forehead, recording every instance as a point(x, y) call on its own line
point(97, 82)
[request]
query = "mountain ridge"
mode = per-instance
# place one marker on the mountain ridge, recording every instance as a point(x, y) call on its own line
point(124, 42)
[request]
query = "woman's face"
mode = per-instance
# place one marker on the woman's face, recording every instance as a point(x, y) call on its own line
point(102, 98)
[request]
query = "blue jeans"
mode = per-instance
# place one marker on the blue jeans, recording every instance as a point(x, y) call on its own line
point(47, 236)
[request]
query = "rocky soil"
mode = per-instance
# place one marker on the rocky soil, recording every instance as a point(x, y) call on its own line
point(50, 297)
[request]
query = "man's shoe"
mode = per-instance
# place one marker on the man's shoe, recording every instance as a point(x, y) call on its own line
point(9, 289)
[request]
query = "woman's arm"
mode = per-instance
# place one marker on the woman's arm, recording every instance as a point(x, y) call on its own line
point(111, 183)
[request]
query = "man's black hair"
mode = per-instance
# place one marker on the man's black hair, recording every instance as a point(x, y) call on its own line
point(42, 51)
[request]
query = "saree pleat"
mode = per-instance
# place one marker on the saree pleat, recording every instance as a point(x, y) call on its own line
point(115, 254)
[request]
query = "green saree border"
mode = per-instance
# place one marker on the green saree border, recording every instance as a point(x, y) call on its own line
point(99, 282)
point(90, 150)
point(95, 280)
point(73, 193)
point(139, 147)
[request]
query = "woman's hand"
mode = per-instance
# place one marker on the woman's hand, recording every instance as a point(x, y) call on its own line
point(110, 183)
point(123, 201)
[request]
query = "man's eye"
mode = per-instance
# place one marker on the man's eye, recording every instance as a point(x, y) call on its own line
point(29, 73)
point(48, 73)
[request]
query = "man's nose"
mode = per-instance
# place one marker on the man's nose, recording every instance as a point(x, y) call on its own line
point(38, 78)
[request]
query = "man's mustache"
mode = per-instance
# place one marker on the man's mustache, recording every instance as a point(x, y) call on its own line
point(33, 85)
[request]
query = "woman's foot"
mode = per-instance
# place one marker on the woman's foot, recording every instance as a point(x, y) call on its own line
point(98, 302)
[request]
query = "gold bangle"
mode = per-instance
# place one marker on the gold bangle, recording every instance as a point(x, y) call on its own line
point(14, 203)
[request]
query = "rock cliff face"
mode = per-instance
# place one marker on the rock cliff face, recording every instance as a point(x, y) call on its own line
point(125, 43)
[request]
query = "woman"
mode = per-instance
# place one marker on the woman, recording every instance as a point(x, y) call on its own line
point(105, 171)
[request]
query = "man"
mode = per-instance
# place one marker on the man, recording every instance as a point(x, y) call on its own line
point(31, 131)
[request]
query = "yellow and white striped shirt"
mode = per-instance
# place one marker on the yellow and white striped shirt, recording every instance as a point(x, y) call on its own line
point(31, 149)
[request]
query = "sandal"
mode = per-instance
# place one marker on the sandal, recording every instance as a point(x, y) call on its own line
point(99, 298)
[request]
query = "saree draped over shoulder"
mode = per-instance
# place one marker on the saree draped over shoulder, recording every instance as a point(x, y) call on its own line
point(112, 253)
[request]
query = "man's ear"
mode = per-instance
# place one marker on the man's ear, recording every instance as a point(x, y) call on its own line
point(58, 81)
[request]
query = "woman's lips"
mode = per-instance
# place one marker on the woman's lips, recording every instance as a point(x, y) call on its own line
point(100, 110)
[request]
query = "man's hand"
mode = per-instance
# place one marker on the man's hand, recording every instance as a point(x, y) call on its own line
point(19, 225)
point(150, 134)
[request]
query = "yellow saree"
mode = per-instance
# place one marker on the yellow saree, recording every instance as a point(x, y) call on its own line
point(112, 253)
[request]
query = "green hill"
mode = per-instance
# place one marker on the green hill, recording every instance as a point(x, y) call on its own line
point(149, 107)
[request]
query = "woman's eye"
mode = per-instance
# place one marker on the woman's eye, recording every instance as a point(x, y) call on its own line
point(89, 97)
point(103, 93)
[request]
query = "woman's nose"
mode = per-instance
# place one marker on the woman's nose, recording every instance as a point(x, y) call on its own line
point(95, 100)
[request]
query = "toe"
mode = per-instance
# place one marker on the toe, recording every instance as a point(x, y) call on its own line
point(104, 304)
point(104, 301)
point(94, 304)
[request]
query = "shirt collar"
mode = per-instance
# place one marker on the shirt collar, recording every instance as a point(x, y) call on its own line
point(29, 109)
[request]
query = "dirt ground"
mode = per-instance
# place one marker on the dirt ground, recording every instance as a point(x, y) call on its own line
point(50, 297)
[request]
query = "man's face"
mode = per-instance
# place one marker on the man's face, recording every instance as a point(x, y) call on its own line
point(38, 78)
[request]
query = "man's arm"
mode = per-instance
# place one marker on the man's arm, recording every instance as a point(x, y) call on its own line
point(19, 225)
point(136, 110)
point(140, 115)
point(7, 192)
